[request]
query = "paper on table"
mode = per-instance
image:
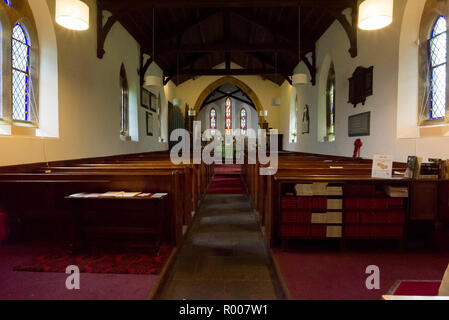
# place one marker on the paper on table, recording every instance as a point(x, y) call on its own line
point(78, 195)
point(113, 194)
point(130, 194)
point(93, 195)
point(159, 195)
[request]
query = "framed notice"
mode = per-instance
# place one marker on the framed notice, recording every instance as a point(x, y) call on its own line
point(382, 166)
point(306, 120)
point(145, 98)
point(359, 125)
point(150, 124)
point(153, 102)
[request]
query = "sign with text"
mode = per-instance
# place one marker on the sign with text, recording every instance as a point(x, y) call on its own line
point(382, 166)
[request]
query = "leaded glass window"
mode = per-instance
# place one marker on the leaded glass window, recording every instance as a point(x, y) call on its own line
point(228, 116)
point(438, 61)
point(330, 110)
point(8, 2)
point(213, 121)
point(243, 121)
point(124, 109)
point(23, 107)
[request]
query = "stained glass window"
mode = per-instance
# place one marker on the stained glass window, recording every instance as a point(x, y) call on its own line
point(228, 116)
point(330, 110)
point(21, 89)
point(243, 121)
point(213, 121)
point(438, 58)
point(124, 126)
point(8, 2)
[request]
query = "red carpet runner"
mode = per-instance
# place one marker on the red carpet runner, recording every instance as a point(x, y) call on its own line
point(117, 263)
point(227, 180)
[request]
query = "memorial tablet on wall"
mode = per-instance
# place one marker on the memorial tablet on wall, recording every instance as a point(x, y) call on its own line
point(359, 125)
point(150, 124)
point(145, 98)
point(361, 85)
point(153, 102)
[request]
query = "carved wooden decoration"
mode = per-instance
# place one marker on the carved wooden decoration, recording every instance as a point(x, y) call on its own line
point(360, 85)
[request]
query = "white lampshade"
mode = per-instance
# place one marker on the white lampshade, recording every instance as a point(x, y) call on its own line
point(375, 14)
point(72, 14)
point(299, 79)
point(276, 102)
point(192, 112)
point(153, 81)
point(177, 102)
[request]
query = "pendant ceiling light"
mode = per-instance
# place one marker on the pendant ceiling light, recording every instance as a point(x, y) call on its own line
point(153, 81)
point(177, 102)
point(299, 78)
point(72, 14)
point(375, 14)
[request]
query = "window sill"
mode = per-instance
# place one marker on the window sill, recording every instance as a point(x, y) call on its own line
point(23, 129)
point(125, 137)
point(4, 122)
point(327, 139)
point(434, 130)
point(26, 124)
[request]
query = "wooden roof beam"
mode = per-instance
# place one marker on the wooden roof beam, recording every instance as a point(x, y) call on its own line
point(120, 5)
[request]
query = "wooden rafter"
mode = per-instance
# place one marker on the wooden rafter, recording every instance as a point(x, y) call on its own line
point(145, 4)
point(188, 38)
point(350, 28)
point(103, 30)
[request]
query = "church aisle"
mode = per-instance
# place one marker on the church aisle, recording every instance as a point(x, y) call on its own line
point(223, 257)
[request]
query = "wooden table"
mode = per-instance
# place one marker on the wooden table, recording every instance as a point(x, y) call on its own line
point(136, 216)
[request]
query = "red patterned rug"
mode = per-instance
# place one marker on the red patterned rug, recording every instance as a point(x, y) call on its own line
point(416, 288)
point(117, 263)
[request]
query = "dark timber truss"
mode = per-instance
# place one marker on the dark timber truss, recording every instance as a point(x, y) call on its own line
point(193, 37)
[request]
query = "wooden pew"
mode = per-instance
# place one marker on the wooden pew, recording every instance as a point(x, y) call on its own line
point(295, 168)
point(48, 201)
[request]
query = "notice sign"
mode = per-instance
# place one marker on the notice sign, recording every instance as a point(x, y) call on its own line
point(382, 166)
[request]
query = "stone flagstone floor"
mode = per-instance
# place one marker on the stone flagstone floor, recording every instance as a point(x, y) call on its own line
point(223, 257)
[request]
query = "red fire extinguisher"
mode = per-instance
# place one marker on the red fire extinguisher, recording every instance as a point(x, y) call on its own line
point(4, 226)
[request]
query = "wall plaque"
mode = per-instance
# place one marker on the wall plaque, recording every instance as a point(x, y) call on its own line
point(359, 125)
point(360, 85)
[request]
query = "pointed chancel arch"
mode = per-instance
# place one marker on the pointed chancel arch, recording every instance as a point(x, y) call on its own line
point(238, 83)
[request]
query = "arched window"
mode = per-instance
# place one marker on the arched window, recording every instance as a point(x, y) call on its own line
point(243, 121)
point(124, 105)
point(24, 102)
point(213, 121)
point(228, 124)
point(330, 104)
point(437, 63)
